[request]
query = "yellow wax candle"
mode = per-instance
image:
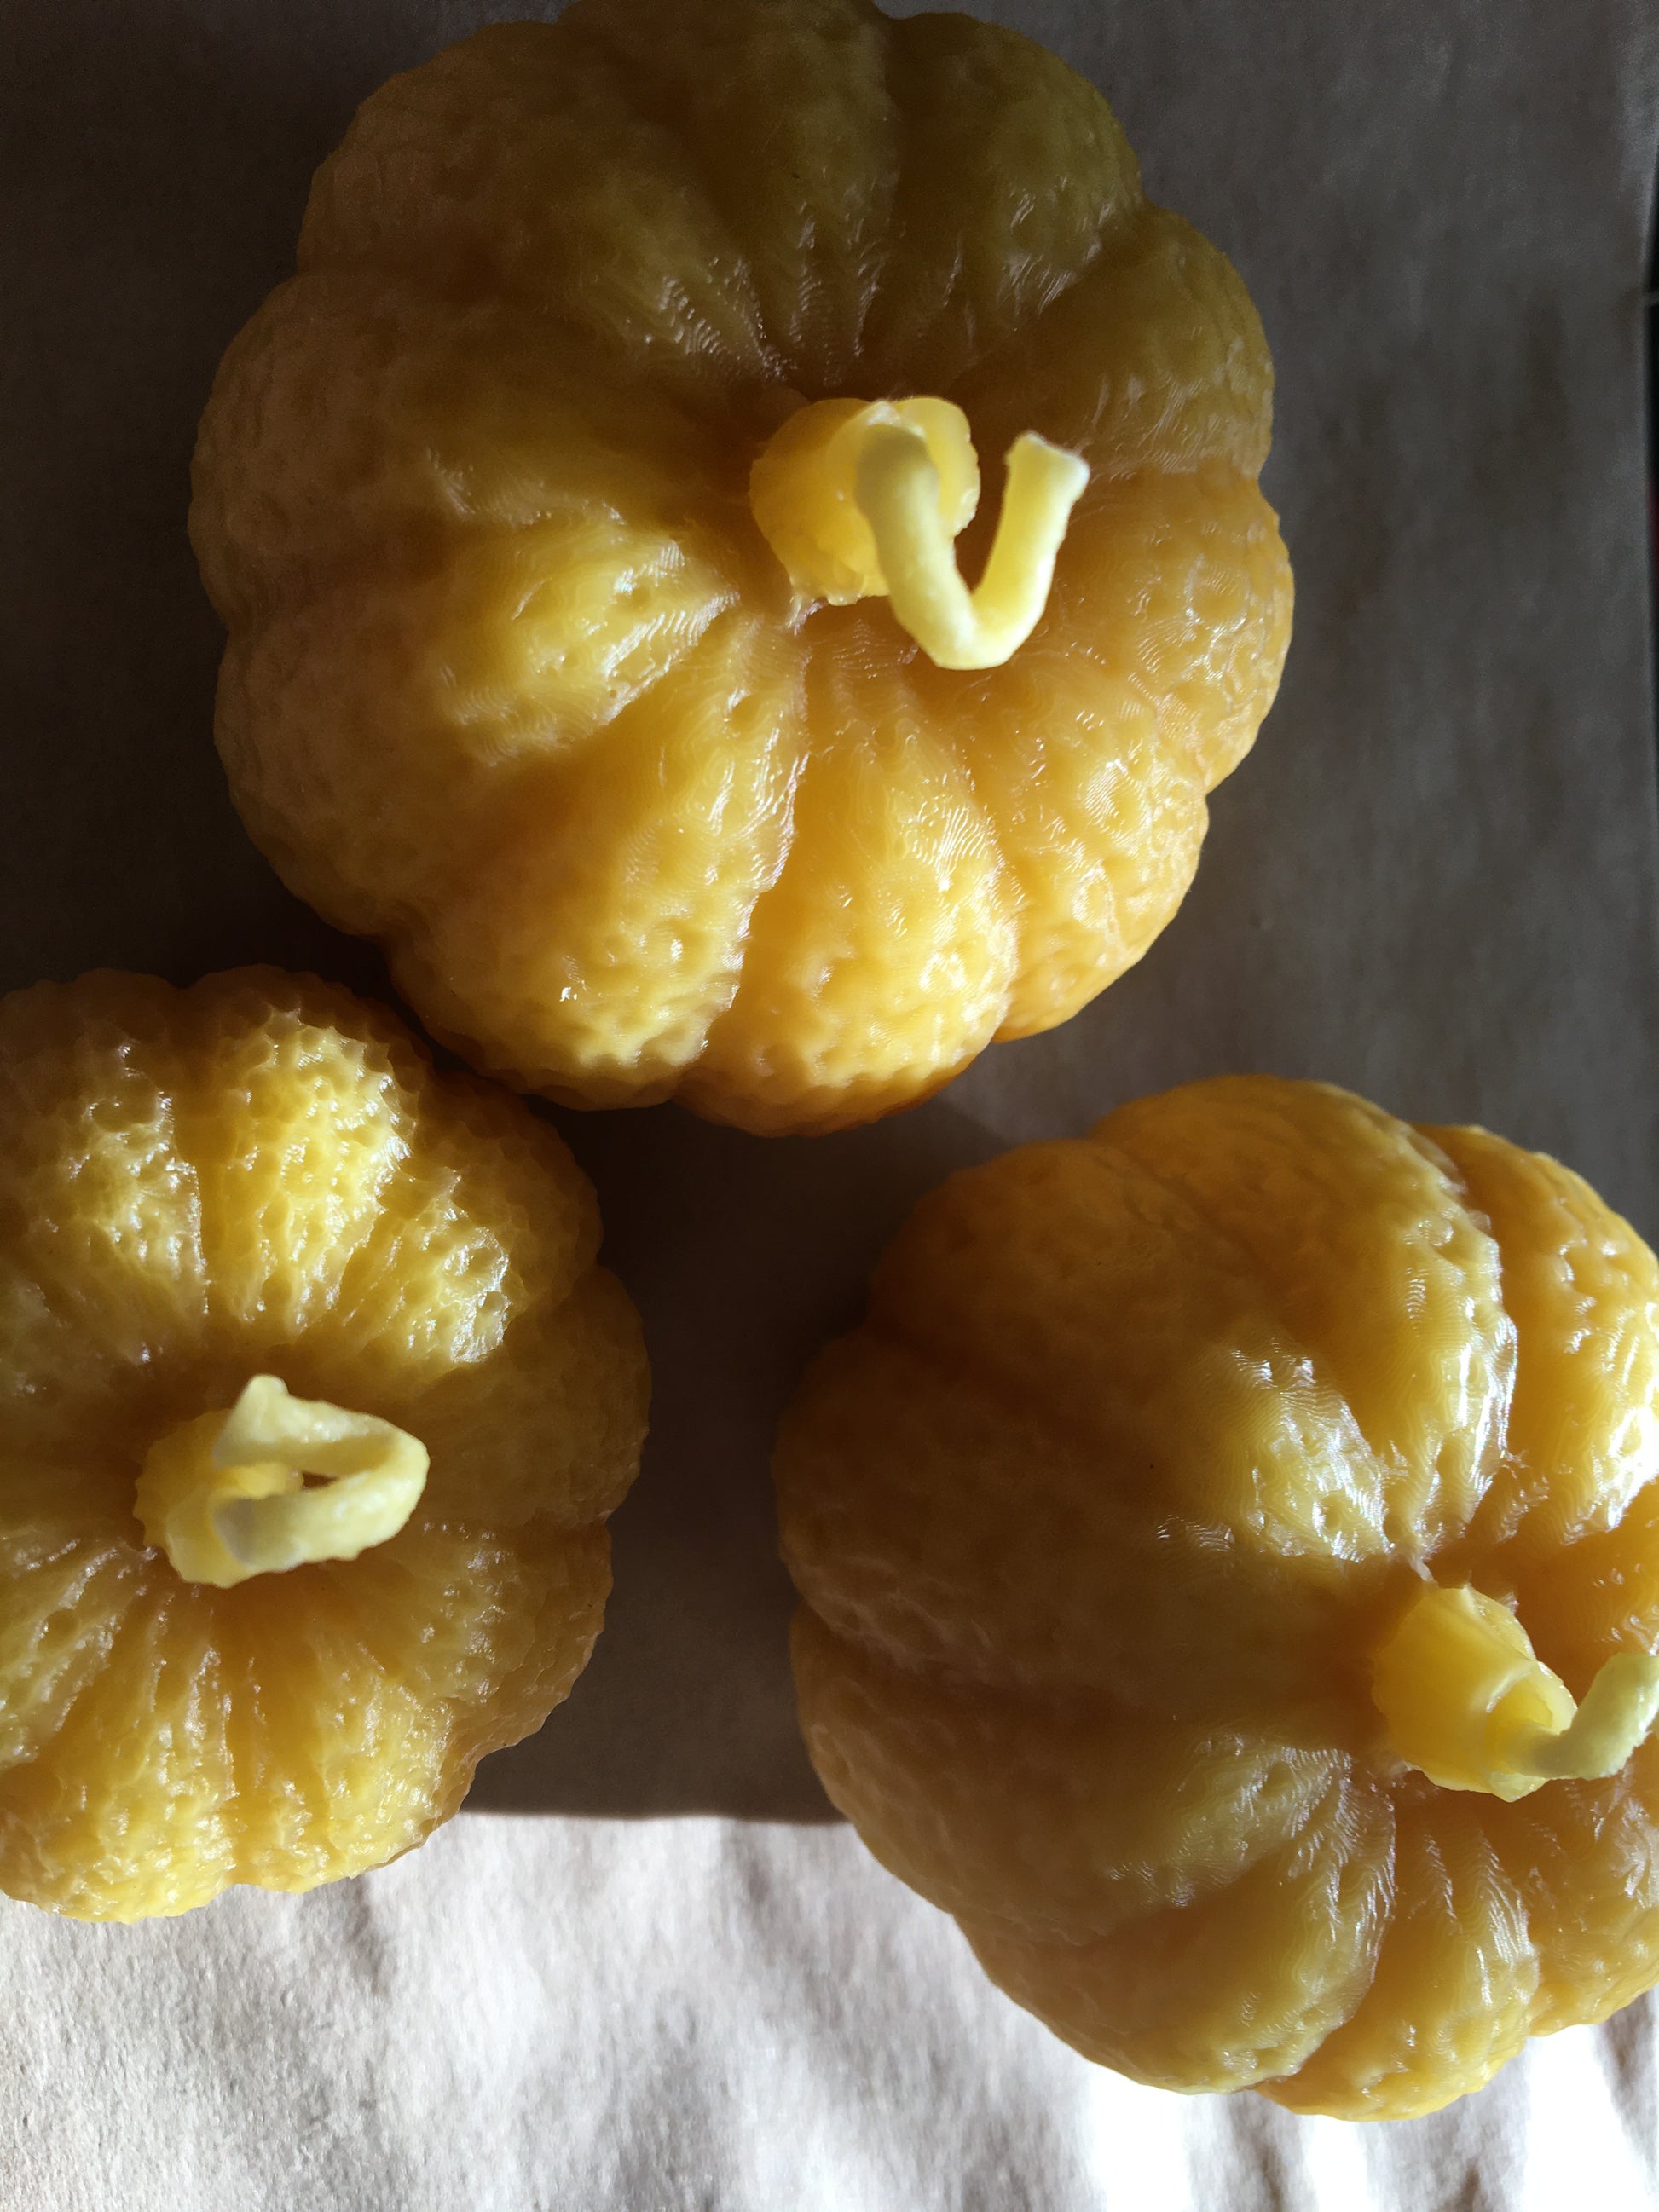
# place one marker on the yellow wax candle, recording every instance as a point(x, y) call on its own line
point(617, 631)
point(1229, 1552)
point(314, 1405)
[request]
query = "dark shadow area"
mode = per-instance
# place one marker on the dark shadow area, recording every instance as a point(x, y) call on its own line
point(1407, 889)
point(152, 196)
point(743, 1255)
point(1650, 334)
point(153, 187)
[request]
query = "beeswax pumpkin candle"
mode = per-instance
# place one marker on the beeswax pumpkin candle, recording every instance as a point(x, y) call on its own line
point(619, 628)
point(313, 1404)
point(1229, 1551)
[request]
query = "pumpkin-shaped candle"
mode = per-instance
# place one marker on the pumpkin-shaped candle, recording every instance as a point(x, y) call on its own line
point(1230, 1557)
point(313, 1403)
point(742, 550)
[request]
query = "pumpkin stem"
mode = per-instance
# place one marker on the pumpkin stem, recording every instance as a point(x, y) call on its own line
point(865, 501)
point(1469, 1703)
point(225, 1496)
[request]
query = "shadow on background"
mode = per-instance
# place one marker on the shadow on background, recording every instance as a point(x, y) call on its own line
point(1411, 890)
point(743, 1255)
point(152, 189)
point(153, 199)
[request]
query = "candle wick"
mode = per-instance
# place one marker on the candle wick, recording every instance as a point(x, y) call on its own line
point(1468, 1702)
point(866, 500)
point(1616, 1715)
point(898, 492)
point(226, 1496)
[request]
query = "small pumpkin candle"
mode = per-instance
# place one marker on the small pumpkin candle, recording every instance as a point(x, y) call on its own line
point(1229, 1552)
point(593, 513)
point(312, 1404)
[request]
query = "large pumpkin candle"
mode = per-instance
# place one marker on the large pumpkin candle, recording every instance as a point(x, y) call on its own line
point(742, 550)
point(1229, 1552)
point(312, 1405)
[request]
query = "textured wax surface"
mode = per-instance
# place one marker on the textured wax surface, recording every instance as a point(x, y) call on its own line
point(513, 683)
point(263, 1175)
point(1098, 1516)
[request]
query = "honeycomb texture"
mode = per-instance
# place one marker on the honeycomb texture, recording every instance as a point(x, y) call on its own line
point(264, 1174)
point(515, 683)
point(1143, 1447)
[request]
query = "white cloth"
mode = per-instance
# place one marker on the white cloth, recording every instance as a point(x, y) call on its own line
point(651, 1976)
point(666, 2014)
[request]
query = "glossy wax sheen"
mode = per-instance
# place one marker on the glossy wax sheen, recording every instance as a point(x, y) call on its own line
point(514, 682)
point(264, 1174)
point(1148, 1441)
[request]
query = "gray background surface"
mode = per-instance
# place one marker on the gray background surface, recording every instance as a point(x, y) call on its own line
point(1434, 880)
